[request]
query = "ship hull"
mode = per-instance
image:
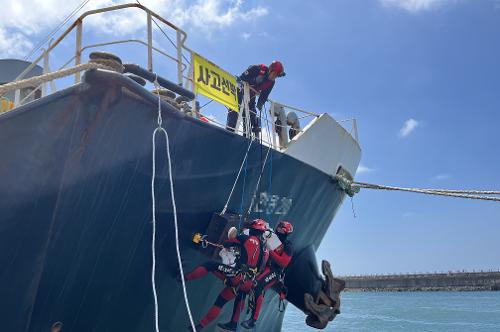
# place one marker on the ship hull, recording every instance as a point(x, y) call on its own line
point(76, 211)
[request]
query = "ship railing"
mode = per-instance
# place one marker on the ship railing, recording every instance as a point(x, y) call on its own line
point(44, 88)
point(352, 127)
point(280, 123)
point(77, 27)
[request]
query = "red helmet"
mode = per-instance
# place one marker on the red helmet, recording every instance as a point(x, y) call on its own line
point(284, 227)
point(258, 224)
point(277, 67)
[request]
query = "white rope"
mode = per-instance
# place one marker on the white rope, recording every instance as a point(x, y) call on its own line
point(469, 194)
point(237, 177)
point(160, 129)
point(258, 181)
point(37, 80)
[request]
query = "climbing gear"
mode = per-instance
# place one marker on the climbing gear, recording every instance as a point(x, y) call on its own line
point(161, 130)
point(237, 178)
point(284, 227)
point(278, 68)
point(254, 195)
point(197, 237)
point(201, 239)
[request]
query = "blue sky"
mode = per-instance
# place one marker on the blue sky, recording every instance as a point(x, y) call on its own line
point(422, 77)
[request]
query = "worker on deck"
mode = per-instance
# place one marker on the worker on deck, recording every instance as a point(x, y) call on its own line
point(261, 80)
point(272, 276)
point(252, 261)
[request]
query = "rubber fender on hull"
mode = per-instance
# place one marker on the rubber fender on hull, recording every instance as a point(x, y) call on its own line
point(318, 297)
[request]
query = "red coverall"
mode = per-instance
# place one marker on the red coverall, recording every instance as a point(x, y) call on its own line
point(280, 258)
point(253, 255)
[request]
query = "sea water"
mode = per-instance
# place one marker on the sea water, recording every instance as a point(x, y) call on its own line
point(409, 311)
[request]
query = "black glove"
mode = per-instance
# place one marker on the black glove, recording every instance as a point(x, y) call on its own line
point(259, 106)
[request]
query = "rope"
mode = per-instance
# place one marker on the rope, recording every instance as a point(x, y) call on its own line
point(352, 187)
point(269, 129)
point(243, 194)
point(37, 80)
point(237, 177)
point(160, 130)
point(424, 191)
point(472, 192)
point(205, 243)
point(258, 181)
point(208, 102)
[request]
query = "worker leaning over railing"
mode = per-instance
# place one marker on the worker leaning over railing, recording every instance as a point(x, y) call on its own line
point(261, 80)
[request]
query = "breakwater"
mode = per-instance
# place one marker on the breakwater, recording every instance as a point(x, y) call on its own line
point(451, 281)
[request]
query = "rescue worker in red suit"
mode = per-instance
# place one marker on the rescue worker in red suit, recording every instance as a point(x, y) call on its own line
point(253, 257)
point(272, 276)
point(261, 80)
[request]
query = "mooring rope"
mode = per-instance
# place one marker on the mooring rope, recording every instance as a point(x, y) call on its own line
point(352, 187)
point(38, 80)
point(160, 130)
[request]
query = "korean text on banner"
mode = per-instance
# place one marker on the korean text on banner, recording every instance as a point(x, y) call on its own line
point(215, 83)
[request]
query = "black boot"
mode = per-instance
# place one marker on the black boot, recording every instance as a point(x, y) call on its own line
point(229, 326)
point(197, 326)
point(248, 324)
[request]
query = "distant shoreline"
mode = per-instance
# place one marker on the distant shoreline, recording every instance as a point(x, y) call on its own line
point(432, 282)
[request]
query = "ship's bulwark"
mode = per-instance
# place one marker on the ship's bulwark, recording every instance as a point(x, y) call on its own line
point(75, 222)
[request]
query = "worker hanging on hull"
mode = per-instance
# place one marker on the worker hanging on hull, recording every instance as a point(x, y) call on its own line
point(261, 80)
point(272, 276)
point(229, 253)
point(252, 260)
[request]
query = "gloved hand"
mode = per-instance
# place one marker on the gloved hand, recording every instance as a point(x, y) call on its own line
point(259, 106)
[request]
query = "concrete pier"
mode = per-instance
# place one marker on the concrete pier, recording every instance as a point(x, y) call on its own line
point(454, 281)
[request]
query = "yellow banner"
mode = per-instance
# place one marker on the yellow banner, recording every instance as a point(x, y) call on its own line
point(214, 83)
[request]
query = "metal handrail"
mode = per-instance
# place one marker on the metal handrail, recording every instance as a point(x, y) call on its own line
point(123, 42)
point(182, 35)
point(294, 108)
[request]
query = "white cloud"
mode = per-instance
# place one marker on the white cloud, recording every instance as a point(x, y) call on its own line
point(364, 169)
point(441, 177)
point(13, 44)
point(415, 6)
point(408, 127)
point(33, 19)
point(246, 35)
